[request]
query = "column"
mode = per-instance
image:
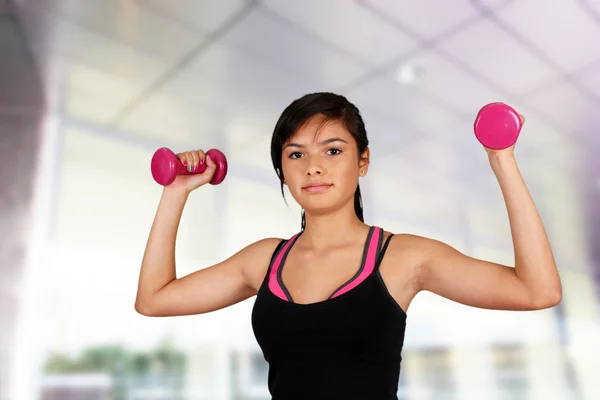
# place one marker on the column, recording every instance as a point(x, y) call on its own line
point(21, 121)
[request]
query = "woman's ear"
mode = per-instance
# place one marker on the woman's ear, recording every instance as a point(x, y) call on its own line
point(363, 163)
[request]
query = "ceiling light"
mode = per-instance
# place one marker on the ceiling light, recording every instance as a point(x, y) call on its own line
point(407, 74)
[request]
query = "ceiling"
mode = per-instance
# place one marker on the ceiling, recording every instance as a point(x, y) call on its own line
point(188, 74)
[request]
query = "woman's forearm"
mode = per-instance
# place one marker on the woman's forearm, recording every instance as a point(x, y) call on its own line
point(534, 261)
point(158, 263)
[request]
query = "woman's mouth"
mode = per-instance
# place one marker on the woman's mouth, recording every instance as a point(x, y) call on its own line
point(317, 187)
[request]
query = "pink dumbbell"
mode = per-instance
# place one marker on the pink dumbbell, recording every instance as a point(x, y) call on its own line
point(497, 126)
point(166, 166)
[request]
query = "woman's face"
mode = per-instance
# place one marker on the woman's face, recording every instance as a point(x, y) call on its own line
point(321, 165)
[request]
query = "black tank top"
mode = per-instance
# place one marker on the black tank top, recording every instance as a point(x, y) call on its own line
point(346, 347)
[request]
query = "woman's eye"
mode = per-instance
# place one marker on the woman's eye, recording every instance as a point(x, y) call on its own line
point(332, 152)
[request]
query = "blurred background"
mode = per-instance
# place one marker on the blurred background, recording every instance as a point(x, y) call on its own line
point(90, 89)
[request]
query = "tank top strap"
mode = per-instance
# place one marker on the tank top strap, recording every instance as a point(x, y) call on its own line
point(379, 238)
point(383, 250)
point(274, 276)
point(373, 248)
point(367, 266)
point(281, 243)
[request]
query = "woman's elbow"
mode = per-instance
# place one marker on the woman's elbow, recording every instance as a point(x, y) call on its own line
point(144, 308)
point(548, 300)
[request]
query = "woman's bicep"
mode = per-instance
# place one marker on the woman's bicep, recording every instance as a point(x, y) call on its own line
point(215, 287)
point(470, 281)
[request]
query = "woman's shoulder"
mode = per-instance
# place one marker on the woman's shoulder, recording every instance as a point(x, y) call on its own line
point(403, 238)
point(404, 244)
point(261, 249)
point(269, 243)
point(257, 257)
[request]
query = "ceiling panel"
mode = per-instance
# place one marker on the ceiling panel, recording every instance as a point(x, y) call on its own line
point(213, 95)
point(440, 16)
point(538, 132)
point(125, 21)
point(567, 106)
point(435, 164)
point(433, 159)
point(293, 50)
point(498, 57)
point(383, 131)
point(415, 111)
point(451, 85)
point(93, 95)
point(348, 26)
point(593, 7)
point(165, 118)
point(491, 5)
point(205, 15)
point(51, 37)
point(458, 137)
point(563, 30)
point(247, 77)
point(471, 159)
point(590, 79)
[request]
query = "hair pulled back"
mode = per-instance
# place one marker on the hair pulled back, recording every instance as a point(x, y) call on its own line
point(332, 107)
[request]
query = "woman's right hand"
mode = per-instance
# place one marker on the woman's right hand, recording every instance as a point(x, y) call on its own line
point(191, 159)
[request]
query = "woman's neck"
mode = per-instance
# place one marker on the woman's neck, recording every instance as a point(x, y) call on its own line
point(332, 229)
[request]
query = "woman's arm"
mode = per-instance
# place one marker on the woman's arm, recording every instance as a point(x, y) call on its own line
point(533, 283)
point(158, 263)
point(161, 293)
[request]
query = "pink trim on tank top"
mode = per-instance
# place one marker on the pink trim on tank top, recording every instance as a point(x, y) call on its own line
point(369, 264)
point(274, 285)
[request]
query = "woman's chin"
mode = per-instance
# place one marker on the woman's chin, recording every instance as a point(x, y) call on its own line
point(321, 205)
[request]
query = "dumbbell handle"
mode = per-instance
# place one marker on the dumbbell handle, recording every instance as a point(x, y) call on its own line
point(165, 166)
point(182, 169)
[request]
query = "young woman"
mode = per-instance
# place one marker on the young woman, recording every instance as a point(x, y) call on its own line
point(331, 300)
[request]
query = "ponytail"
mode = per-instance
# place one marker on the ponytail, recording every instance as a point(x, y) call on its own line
point(358, 205)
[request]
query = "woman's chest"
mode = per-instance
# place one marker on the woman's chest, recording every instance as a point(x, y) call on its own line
point(359, 319)
point(312, 277)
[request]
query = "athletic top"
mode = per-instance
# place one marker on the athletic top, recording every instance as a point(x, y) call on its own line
point(346, 347)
